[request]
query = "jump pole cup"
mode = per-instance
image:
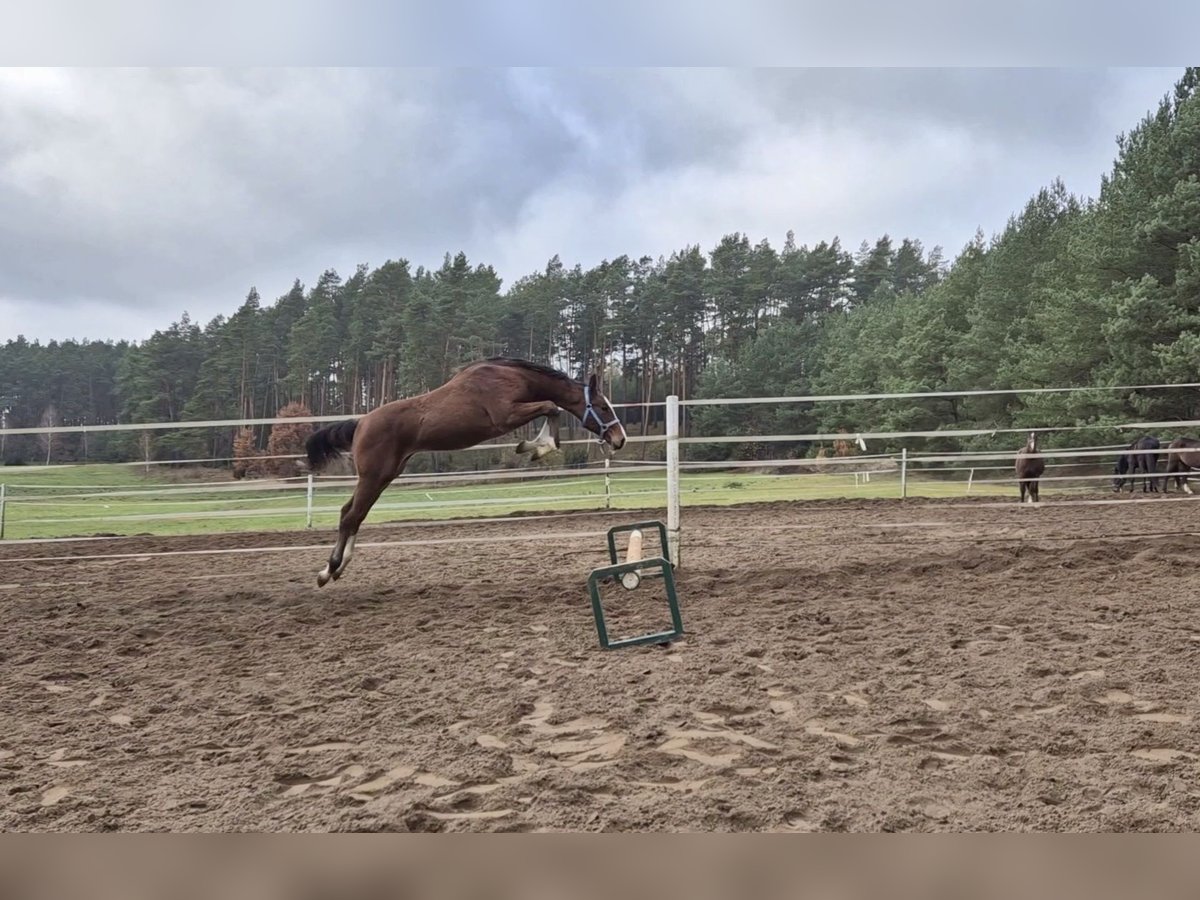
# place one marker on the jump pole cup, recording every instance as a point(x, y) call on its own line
point(633, 553)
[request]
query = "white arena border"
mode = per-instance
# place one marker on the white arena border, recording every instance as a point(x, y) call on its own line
point(309, 548)
point(673, 439)
point(415, 523)
point(580, 535)
point(430, 480)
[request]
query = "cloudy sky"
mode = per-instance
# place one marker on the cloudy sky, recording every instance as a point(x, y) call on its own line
point(128, 196)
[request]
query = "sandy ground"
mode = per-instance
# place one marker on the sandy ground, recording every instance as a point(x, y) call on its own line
point(848, 666)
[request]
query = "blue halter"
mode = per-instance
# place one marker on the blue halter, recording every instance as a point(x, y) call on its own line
point(590, 413)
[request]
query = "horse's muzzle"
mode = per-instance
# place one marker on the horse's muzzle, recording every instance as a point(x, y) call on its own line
point(614, 438)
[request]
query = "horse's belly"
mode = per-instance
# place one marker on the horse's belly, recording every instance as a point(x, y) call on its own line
point(455, 438)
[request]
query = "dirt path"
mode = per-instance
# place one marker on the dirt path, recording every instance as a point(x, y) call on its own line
point(861, 666)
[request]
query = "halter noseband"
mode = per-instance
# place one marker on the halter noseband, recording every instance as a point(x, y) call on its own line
point(590, 413)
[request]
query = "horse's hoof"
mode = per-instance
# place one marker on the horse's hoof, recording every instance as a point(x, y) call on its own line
point(324, 577)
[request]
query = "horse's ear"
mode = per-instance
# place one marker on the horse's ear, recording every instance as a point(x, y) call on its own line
point(593, 383)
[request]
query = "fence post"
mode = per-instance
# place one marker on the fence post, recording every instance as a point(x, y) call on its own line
point(903, 473)
point(607, 486)
point(3, 488)
point(970, 478)
point(309, 502)
point(672, 412)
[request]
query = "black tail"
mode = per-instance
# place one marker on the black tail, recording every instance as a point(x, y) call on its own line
point(328, 443)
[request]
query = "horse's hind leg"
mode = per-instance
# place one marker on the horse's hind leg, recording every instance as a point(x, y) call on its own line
point(1023, 488)
point(366, 492)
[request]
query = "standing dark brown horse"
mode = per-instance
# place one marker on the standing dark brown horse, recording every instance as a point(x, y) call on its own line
point(1133, 463)
point(1030, 467)
point(1183, 455)
point(483, 400)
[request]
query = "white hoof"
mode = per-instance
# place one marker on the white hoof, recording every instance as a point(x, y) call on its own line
point(540, 446)
point(326, 574)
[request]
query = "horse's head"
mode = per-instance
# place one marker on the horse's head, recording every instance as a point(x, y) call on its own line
point(1031, 444)
point(600, 418)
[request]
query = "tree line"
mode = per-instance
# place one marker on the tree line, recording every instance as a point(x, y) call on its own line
point(1072, 292)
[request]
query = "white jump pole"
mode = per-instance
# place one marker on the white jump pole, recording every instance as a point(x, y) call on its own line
point(607, 485)
point(903, 473)
point(308, 512)
point(3, 488)
point(672, 412)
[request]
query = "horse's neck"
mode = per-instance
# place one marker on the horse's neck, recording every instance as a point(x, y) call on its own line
point(567, 394)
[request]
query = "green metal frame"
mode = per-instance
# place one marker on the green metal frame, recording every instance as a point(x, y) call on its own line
point(660, 563)
point(637, 526)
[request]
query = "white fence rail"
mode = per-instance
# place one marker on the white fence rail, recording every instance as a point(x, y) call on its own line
point(627, 482)
point(635, 484)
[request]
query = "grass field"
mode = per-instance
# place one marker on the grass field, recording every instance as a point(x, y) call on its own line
point(74, 501)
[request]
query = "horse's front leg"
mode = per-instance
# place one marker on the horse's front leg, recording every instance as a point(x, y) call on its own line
point(547, 440)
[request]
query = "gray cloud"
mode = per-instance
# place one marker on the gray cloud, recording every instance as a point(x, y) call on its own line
point(129, 195)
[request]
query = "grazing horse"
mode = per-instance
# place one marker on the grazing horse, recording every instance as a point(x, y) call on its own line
point(1030, 467)
point(483, 400)
point(1132, 463)
point(1183, 455)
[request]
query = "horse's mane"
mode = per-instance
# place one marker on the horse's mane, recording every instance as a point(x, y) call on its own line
point(529, 366)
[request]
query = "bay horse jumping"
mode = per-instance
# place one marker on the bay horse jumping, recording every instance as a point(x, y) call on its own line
point(1030, 467)
point(1133, 463)
point(482, 401)
point(1183, 455)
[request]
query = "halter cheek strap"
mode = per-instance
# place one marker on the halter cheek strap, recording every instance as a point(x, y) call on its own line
point(590, 413)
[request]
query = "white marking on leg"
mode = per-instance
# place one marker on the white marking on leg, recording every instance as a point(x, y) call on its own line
point(346, 554)
point(1187, 488)
point(327, 573)
point(541, 445)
